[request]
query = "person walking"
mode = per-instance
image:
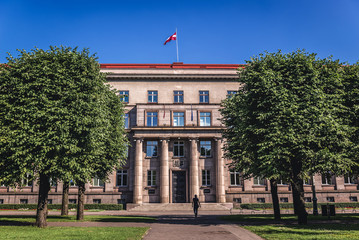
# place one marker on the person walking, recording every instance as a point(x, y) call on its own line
point(195, 204)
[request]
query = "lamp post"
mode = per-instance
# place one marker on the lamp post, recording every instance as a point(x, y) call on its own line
point(315, 205)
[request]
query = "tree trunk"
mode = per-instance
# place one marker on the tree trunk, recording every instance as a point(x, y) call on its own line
point(298, 200)
point(65, 199)
point(41, 213)
point(81, 200)
point(275, 200)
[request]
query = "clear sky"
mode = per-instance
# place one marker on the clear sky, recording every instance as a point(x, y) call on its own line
point(208, 31)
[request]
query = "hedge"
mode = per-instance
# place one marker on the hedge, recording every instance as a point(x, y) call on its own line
point(290, 205)
point(58, 206)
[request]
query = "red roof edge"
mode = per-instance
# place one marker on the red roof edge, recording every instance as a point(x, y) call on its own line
point(176, 65)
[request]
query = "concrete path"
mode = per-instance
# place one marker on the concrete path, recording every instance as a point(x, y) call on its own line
point(170, 225)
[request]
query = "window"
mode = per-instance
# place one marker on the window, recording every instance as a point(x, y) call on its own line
point(205, 119)
point(151, 148)
point(237, 200)
point(349, 179)
point(49, 201)
point(283, 199)
point(281, 182)
point(23, 201)
point(261, 200)
point(178, 119)
point(327, 179)
point(351, 198)
point(231, 93)
point(307, 199)
point(121, 178)
point(178, 149)
point(96, 201)
point(27, 182)
point(127, 126)
point(205, 147)
point(152, 119)
point(72, 184)
point(258, 181)
point(1, 201)
point(236, 179)
point(152, 96)
point(206, 178)
point(72, 201)
point(330, 199)
point(53, 182)
point(151, 178)
point(121, 201)
point(178, 96)
point(124, 96)
point(203, 97)
point(97, 182)
point(307, 181)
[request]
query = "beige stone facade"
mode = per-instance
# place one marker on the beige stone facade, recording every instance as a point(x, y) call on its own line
point(172, 114)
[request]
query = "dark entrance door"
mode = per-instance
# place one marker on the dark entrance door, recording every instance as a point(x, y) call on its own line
point(179, 187)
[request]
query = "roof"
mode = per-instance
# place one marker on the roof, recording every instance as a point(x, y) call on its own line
point(175, 65)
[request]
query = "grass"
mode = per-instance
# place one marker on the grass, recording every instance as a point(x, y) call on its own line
point(16, 219)
point(300, 232)
point(88, 233)
point(267, 228)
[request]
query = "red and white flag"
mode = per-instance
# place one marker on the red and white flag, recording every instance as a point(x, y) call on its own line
point(173, 37)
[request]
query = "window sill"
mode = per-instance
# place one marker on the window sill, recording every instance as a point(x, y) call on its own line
point(235, 186)
point(151, 157)
point(205, 186)
point(150, 187)
point(205, 156)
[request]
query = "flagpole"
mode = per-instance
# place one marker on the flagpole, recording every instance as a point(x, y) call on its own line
point(177, 44)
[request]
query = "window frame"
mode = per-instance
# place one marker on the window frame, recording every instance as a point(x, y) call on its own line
point(147, 117)
point(151, 178)
point(230, 93)
point(153, 94)
point(203, 144)
point(123, 174)
point(179, 145)
point(236, 176)
point(206, 177)
point(96, 182)
point(205, 117)
point(152, 144)
point(123, 95)
point(173, 119)
point(203, 96)
point(257, 181)
point(327, 177)
point(178, 95)
point(127, 120)
point(350, 179)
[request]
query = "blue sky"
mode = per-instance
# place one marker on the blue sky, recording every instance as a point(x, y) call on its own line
point(208, 31)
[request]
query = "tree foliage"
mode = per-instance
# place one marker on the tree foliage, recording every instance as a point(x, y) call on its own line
point(58, 118)
point(287, 121)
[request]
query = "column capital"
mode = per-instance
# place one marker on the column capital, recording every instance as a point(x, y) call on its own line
point(164, 139)
point(218, 139)
point(140, 139)
point(193, 139)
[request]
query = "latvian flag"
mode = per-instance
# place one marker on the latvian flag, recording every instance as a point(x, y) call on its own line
point(173, 37)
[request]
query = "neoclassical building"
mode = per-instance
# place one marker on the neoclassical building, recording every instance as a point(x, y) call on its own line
point(172, 121)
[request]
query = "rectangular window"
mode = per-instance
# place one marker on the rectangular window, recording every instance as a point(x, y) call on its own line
point(283, 199)
point(1, 201)
point(72, 201)
point(178, 119)
point(151, 148)
point(351, 198)
point(53, 182)
point(178, 149)
point(349, 179)
point(231, 93)
point(237, 200)
point(124, 96)
point(49, 201)
point(72, 183)
point(152, 96)
point(96, 201)
point(205, 147)
point(307, 181)
point(281, 182)
point(307, 199)
point(261, 200)
point(127, 126)
point(121, 178)
point(27, 182)
point(235, 178)
point(152, 118)
point(23, 201)
point(205, 119)
point(203, 96)
point(178, 96)
point(206, 178)
point(97, 182)
point(327, 179)
point(330, 199)
point(258, 181)
point(151, 178)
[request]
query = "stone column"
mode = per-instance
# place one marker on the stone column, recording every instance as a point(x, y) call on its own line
point(220, 190)
point(137, 190)
point(164, 171)
point(193, 170)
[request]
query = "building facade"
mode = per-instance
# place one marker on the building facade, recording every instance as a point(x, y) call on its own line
point(173, 124)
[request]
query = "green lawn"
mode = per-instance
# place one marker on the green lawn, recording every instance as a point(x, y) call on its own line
point(90, 218)
point(311, 231)
point(17, 232)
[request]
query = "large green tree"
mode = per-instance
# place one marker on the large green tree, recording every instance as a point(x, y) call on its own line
point(286, 120)
point(58, 120)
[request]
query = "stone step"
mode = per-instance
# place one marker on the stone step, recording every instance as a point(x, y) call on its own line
point(163, 207)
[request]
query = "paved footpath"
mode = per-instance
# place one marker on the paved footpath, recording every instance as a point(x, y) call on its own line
point(170, 225)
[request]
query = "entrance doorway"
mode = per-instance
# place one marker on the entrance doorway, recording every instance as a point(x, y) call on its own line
point(179, 187)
